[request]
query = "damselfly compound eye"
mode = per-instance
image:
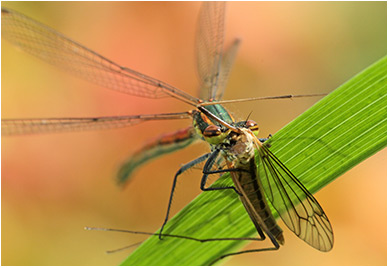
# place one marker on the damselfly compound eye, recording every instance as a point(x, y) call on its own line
point(214, 134)
point(212, 131)
point(253, 126)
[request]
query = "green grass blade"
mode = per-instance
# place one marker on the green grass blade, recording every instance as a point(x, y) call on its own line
point(337, 133)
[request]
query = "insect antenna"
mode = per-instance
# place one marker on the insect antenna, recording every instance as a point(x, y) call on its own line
point(248, 116)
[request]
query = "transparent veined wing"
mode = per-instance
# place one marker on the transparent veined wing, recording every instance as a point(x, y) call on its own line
point(55, 48)
point(228, 60)
point(49, 125)
point(296, 206)
point(209, 46)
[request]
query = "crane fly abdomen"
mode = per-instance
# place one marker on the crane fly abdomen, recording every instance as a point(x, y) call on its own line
point(254, 193)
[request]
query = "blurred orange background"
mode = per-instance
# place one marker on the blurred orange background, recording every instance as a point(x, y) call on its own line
point(55, 184)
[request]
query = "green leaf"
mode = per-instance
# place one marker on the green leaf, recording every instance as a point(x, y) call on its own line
point(337, 133)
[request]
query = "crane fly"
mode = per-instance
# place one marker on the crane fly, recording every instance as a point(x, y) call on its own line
point(259, 177)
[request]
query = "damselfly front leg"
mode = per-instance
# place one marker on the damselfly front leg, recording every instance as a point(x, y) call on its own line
point(211, 158)
point(207, 170)
point(180, 171)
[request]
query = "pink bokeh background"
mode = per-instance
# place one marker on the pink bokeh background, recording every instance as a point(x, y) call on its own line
point(55, 184)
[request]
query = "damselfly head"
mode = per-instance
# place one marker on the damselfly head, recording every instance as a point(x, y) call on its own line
point(210, 127)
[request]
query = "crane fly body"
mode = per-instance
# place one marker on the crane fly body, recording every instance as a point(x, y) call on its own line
point(261, 180)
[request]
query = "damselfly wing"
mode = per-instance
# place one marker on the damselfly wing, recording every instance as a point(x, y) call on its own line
point(211, 122)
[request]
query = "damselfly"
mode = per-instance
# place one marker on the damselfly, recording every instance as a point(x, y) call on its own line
point(210, 75)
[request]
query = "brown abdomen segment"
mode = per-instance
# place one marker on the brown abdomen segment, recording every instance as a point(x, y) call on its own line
point(253, 190)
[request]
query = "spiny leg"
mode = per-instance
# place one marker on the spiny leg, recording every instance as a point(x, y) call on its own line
point(207, 170)
point(201, 240)
point(262, 237)
point(181, 170)
point(204, 240)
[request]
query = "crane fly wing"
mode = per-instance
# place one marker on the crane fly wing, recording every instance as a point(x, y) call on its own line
point(209, 46)
point(48, 125)
point(296, 206)
point(55, 48)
